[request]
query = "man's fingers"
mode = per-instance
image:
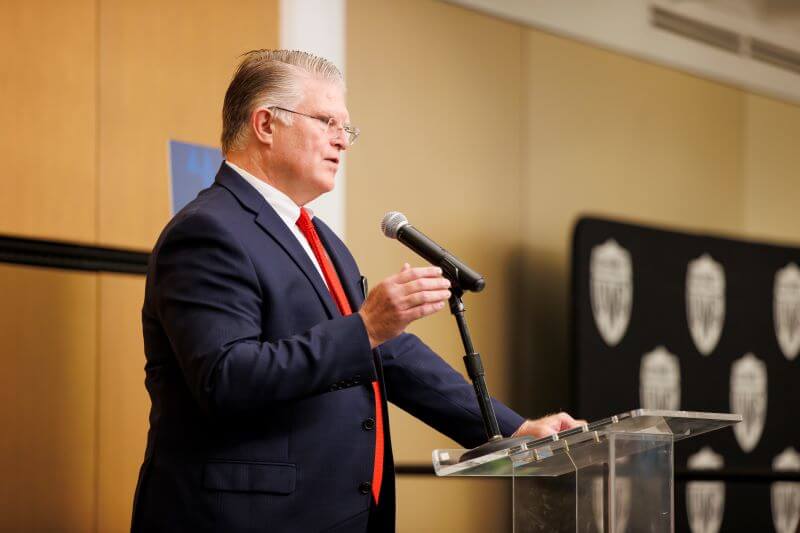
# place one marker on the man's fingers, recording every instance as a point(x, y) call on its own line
point(548, 425)
point(565, 420)
point(425, 284)
point(554, 423)
point(408, 274)
point(562, 421)
point(425, 297)
point(402, 298)
point(424, 310)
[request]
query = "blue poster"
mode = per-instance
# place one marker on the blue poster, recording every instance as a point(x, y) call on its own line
point(192, 169)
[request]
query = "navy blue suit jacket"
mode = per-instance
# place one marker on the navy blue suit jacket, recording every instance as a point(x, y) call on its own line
point(260, 388)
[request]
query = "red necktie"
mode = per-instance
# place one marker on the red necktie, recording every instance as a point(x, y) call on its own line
point(335, 287)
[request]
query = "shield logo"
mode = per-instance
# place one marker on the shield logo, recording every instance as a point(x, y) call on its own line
point(611, 290)
point(786, 310)
point(786, 494)
point(622, 505)
point(748, 397)
point(705, 302)
point(705, 500)
point(660, 380)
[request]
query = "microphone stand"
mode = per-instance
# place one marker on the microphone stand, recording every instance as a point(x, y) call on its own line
point(472, 361)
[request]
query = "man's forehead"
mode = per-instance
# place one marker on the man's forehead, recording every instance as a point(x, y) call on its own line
point(324, 94)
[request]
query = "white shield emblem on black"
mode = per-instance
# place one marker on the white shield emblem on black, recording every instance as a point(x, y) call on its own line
point(748, 397)
point(622, 503)
point(660, 380)
point(786, 494)
point(786, 310)
point(611, 290)
point(705, 302)
point(705, 500)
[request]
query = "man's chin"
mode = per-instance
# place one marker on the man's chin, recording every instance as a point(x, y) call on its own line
point(327, 183)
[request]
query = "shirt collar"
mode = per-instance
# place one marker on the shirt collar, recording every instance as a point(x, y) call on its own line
point(278, 200)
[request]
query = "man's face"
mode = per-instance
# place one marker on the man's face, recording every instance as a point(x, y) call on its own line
point(305, 157)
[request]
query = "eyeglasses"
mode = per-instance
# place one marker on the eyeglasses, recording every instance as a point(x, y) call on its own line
point(330, 125)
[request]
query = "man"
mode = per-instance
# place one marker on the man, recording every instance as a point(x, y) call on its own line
point(268, 369)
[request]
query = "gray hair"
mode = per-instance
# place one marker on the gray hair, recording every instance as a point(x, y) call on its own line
point(268, 78)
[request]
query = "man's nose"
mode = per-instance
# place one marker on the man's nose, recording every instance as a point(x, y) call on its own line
point(340, 139)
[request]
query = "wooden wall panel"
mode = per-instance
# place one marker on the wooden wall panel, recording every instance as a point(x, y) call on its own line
point(164, 68)
point(439, 112)
point(48, 127)
point(123, 403)
point(47, 399)
point(436, 505)
point(772, 170)
point(618, 136)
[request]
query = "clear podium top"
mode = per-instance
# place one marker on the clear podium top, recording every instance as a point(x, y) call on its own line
point(577, 447)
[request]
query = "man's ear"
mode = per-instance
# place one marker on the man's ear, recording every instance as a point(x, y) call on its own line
point(262, 121)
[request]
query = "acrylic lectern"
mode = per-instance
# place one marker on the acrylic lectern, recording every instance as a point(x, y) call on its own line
point(613, 475)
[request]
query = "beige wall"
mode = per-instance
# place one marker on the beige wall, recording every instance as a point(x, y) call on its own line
point(48, 105)
point(48, 334)
point(122, 401)
point(772, 170)
point(616, 136)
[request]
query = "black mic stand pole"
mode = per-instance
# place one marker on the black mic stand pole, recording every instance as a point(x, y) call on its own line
point(472, 361)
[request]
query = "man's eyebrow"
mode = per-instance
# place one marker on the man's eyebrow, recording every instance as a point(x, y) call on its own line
point(319, 113)
point(329, 114)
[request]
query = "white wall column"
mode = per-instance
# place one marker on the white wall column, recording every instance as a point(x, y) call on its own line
point(318, 26)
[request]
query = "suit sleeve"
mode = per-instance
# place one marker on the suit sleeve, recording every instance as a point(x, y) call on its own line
point(423, 384)
point(208, 300)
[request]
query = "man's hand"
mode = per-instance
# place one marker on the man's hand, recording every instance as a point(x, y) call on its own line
point(400, 299)
point(547, 425)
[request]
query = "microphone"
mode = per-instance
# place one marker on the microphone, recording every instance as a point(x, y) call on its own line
point(395, 226)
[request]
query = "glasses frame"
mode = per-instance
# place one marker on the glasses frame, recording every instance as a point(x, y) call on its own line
point(329, 122)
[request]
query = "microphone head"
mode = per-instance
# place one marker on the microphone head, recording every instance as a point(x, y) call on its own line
point(392, 222)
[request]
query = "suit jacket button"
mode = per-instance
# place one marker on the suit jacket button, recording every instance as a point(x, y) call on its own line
point(368, 424)
point(364, 487)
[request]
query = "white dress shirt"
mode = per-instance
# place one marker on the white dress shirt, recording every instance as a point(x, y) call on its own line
point(286, 209)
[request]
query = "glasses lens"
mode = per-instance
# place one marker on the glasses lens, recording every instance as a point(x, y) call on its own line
point(332, 126)
point(352, 134)
point(334, 129)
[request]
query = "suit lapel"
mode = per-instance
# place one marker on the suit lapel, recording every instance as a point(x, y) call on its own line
point(273, 225)
point(349, 282)
point(270, 222)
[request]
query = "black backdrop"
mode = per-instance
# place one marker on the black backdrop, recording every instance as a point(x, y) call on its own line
point(607, 374)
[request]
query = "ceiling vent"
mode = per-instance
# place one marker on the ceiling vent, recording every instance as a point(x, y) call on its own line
point(741, 44)
point(775, 55)
point(696, 29)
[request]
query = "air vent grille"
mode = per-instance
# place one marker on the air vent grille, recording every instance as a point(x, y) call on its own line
point(744, 46)
point(697, 30)
point(775, 55)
